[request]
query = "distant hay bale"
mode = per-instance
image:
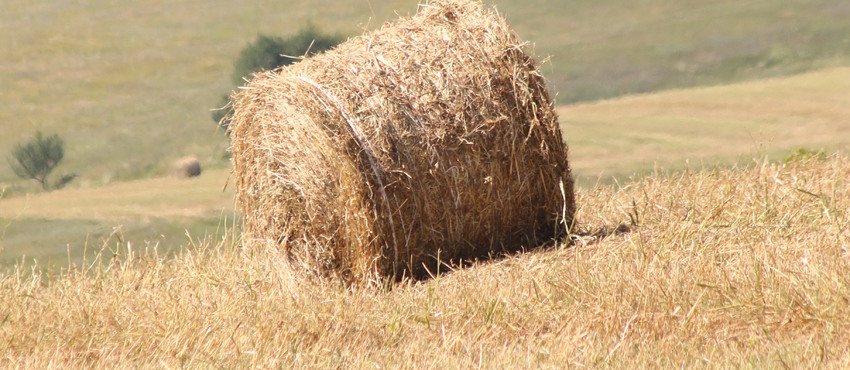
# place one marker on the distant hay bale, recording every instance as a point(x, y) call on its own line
point(186, 167)
point(433, 138)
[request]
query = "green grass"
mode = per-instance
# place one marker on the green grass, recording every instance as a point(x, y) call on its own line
point(57, 242)
point(129, 86)
point(53, 227)
point(612, 48)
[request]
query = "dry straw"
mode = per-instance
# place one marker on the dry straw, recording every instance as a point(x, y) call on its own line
point(431, 139)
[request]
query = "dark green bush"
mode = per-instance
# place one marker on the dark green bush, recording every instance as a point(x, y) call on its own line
point(38, 157)
point(268, 53)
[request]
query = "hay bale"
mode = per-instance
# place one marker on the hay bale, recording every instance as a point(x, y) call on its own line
point(431, 138)
point(186, 167)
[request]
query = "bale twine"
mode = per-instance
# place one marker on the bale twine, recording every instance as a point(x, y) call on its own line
point(186, 167)
point(431, 139)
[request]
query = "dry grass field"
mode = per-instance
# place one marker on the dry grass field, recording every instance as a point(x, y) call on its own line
point(743, 267)
point(156, 197)
point(718, 125)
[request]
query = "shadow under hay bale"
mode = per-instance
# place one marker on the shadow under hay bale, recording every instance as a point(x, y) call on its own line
point(433, 138)
point(186, 167)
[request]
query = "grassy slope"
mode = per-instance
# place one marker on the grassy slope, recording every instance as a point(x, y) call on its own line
point(64, 223)
point(129, 85)
point(712, 125)
point(725, 268)
point(612, 48)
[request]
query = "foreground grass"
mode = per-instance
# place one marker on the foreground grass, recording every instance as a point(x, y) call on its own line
point(720, 268)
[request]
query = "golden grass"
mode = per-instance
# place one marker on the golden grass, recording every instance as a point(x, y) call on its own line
point(721, 268)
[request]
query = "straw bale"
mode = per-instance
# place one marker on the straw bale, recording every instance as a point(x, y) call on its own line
point(431, 139)
point(186, 167)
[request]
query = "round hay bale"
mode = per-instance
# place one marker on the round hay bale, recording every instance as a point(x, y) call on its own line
point(431, 139)
point(186, 167)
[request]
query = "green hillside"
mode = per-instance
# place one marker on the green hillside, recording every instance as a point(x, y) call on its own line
point(129, 85)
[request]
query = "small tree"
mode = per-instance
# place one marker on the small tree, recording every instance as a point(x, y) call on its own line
point(268, 53)
point(38, 157)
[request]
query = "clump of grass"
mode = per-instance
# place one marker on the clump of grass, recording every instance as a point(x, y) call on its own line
point(803, 154)
point(718, 268)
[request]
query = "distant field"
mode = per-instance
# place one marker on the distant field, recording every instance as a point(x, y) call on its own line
point(143, 213)
point(152, 198)
point(129, 85)
point(610, 139)
point(708, 126)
